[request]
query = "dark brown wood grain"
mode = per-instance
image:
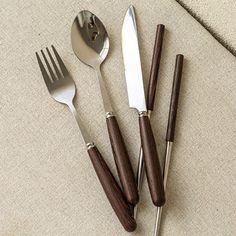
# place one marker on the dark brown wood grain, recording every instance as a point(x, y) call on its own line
point(155, 66)
point(152, 164)
point(123, 165)
point(112, 190)
point(174, 98)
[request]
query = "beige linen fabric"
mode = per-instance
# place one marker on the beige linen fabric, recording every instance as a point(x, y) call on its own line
point(218, 16)
point(48, 185)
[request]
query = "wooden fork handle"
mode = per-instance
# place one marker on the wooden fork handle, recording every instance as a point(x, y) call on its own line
point(112, 190)
point(123, 165)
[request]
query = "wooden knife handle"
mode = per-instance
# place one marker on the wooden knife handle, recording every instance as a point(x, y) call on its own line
point(174, 98)
point(123, 165)
point(112, 190)
point(152, 164)
point(155, 66)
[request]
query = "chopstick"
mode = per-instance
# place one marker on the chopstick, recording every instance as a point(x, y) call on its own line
point(170, 130)
point(151, 97)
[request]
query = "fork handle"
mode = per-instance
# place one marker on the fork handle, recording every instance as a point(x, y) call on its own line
point(112, 189)
point(123, 165)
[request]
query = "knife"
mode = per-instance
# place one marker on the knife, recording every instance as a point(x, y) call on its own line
point(156, 58)
point(136, 96)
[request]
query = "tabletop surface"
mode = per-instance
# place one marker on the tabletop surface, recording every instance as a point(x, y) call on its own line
point(219, 17)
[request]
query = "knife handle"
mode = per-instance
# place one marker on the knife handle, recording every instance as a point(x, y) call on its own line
point(152, 164)
point(123, 165)
point(112, 189)
point(174, 98)
point(155, 66)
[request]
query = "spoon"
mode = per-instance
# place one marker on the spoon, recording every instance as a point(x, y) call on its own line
point(90, 44)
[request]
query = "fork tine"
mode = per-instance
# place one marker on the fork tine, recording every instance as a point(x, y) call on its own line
point(44, 72)
point(60, 62)
point(54, 64)
point(48, 66)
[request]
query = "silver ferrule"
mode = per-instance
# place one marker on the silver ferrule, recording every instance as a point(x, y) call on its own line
point(109, 114)
point(90, 145)
point(143, 113)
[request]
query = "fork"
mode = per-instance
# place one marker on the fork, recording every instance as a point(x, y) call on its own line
point(62, 88)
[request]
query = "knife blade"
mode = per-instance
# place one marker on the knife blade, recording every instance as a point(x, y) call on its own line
point(136, 97)
point(132, 60)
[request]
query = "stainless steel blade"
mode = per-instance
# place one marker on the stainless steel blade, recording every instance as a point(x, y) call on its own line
point(132, 62)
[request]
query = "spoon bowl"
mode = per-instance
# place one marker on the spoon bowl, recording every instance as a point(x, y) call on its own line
point(89, 39)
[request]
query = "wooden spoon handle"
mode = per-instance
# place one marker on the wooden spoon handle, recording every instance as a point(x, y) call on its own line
point(123, 165)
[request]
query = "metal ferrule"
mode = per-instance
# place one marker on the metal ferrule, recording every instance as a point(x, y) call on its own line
point(143, 113)
point(90, 145)
point(109, 114)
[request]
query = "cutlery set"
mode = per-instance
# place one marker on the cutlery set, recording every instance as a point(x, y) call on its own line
point(90, 44)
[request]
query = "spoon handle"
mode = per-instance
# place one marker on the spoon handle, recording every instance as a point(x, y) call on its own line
point(123, 165)
point(112, 190)
point(120, 153)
